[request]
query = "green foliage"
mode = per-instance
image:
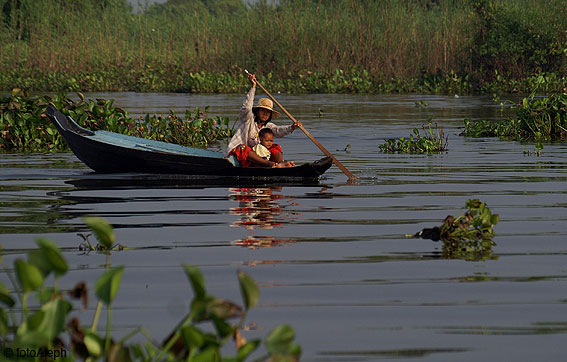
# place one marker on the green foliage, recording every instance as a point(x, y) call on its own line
point(477, 223)
point(197, 281)
point(468, 236)
point(200, 336)
point(5, 296)
point(433, 140)
point(107, 285)
point(516, 39)
point(279, 343)
point(102, 230)
point(249, 290)
point(29, 275)
point(537, 150)
point(50, 257)
point(24, 127)
point(44, 326)
point(213, 7)
point(203, 45)
point(537, 119)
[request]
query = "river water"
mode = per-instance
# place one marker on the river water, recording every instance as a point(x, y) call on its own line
point(332, 260)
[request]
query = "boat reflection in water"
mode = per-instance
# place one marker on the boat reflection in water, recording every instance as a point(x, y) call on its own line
point(259, 209)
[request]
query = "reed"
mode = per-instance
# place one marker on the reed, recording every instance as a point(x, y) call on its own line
point(415, 42)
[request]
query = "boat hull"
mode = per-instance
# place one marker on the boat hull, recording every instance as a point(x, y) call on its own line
point(108, 152)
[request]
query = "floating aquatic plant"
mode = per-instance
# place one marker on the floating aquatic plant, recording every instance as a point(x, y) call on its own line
point(536, 152)
point(537, 119)
point(433, 140)
point(468, 236)
point(24, 127)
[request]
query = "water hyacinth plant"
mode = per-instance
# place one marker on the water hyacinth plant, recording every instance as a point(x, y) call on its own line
point(24, 127)
point(537, 119)
point(468, 236)
point(433, 140)
point(51, 325)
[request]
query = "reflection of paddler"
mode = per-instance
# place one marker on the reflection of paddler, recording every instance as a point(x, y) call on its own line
point(254, 242)
point(254, 263)
point(259, 214)
point(252, 194)
point(256, 207)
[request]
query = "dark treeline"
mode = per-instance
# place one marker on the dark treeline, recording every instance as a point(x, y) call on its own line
point(298, 45)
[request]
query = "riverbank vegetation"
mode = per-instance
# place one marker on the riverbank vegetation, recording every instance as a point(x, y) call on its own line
point(25, 128)
point(425, 46)
point(49, 329)
point(537, 119)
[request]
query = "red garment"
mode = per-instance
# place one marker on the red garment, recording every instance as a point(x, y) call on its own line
point(241, 152)
point(247, 132)
point(275, 149)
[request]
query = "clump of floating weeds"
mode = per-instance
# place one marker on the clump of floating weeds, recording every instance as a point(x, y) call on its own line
point(468, 236)
point(536, 152)
point(25, 128)
point(50, 326)
point(537, 119)
point(433, 140)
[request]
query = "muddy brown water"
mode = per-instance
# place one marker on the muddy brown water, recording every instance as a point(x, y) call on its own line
point(331, 260)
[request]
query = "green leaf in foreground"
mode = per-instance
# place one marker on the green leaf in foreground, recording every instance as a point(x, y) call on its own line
point(107, 285)
point(94, 344)
point(192, 337)
point(102, 230)
point(4, 322)
point(207, 355)
point(52, 255)
point(280, 341)
point(29, 275)
point(5, 296)
point(197, 281)
point(245, 350)
point(44, 325)
point(248, 289)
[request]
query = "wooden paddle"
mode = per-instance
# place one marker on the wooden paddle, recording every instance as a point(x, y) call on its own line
point(351, 177)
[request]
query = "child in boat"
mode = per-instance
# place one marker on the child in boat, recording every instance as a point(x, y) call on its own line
point(252, 120)
point(262, 149)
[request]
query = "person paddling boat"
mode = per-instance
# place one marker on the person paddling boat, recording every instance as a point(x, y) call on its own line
point(252, 120)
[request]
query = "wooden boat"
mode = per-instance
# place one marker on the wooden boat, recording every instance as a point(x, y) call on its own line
point(109, 152)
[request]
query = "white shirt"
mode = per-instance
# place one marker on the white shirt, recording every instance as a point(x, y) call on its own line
point(247, 132)
point(262, 151)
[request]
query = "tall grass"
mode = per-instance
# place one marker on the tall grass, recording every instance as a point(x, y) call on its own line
point(388, 39)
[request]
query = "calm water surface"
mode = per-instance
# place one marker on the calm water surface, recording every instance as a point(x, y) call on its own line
point(332, 260)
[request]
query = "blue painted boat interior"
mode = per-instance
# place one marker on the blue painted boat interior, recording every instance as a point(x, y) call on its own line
point(151, 145)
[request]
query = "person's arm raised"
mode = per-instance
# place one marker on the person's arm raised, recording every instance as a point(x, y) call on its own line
point(351, 177)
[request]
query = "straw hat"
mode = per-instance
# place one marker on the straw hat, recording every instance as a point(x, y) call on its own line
point(267, 104)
